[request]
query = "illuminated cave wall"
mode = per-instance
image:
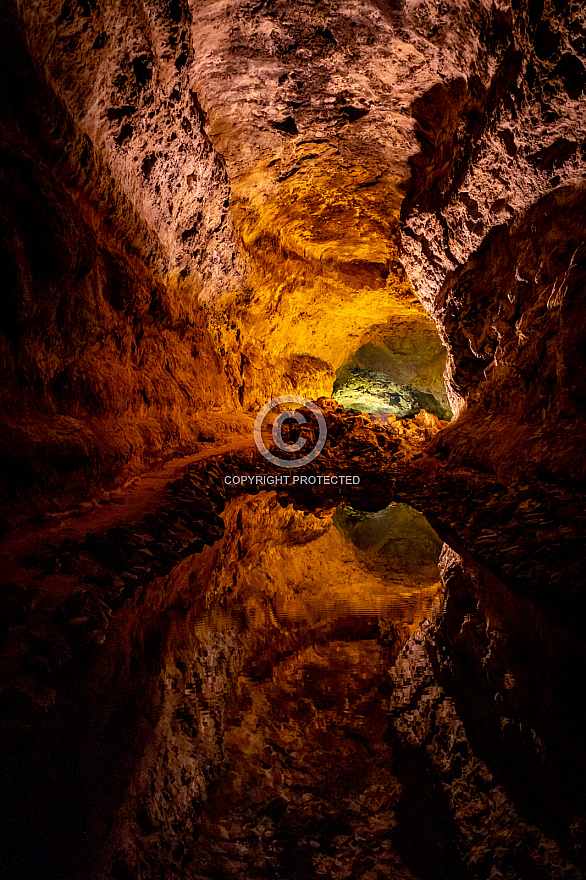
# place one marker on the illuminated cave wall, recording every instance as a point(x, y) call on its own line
point(494, 242)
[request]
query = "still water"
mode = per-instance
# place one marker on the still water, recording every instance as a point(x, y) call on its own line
point(319, 606)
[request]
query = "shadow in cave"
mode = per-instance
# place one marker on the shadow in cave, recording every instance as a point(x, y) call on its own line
point(433, 851)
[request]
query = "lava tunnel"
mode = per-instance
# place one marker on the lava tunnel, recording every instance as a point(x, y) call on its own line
point(292, 422)
point(398, 372)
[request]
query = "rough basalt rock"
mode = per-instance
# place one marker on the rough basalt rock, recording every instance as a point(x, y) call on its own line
point(172, 157)
point(374, 394)
point(122, 76)
point(255, 158)
point(521, 356)
point(408, 353)
point(105, 358)
point(206, 205)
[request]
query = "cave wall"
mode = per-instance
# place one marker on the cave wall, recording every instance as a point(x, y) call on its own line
point(409, 352)
point(402, 365)
point(524, 386)
point(106, 356)
point(315, 125)
point(118, 239)
point(503, 736)
point(493, 237)
point(228, 182)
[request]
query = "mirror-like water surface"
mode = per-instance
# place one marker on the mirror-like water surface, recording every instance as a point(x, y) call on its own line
point(305, 786)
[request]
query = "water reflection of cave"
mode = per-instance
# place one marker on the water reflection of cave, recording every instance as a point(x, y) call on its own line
point(315, 608)
point(396, 373)
point(313, 568)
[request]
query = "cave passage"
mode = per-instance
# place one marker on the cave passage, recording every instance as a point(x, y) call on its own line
point(398, 372)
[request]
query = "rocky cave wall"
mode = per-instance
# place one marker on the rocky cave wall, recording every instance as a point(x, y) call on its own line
point(203, 206)
point(106, 356)
point(494, 243)
point(412, 355)
point(399, 371)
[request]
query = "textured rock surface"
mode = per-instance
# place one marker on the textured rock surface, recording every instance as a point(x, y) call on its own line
point(493, 235)
point(255, 157)
point(121, 74)
point(524, 386)
point(374, 394)
point(409, 353)
point(105, 357)
point(495, 144)
point(153, 135)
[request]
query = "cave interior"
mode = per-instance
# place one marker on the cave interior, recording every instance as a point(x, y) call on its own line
point(344, 641)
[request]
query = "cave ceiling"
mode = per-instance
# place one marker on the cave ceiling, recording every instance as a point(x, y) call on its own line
point(266, 146)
